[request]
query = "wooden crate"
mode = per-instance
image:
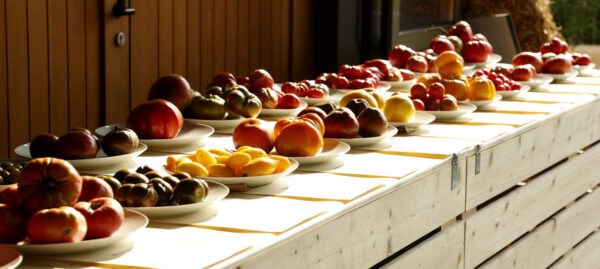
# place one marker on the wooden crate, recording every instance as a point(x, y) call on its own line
point(504, 220)
point(505, 164)
point(374, 231)
point(585, 255)
point(445, 249)
point(553, 238)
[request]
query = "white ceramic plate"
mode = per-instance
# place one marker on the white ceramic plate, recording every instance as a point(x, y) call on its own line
point(9, 258)
point(494, 58)
point(421, 118)
point(133, 222)
point(463, 109)
point(216, 192)
point(101, 160)
point(190, 135)
point(314, 101)
point(584, 67)
point(217, 124)
point(331, 150)
point(511, 94)
point(482, 103)
point(266, 112)
point(402, 84)
point(538, 81)
point(255, 181)
point(365, 141)
point(383, 86)
point(565, 76)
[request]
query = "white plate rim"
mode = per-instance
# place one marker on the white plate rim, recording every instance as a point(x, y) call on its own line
point(14, 263)
point(538, 81)
point(175, 210)
point(86, 245)
point(217, 124)
point(463, 109)
point(429, 118)
point(340, 149)
point(384, 86)
point(165, 143)
point(493, 59)
point(482, 103)
point(510, 94)
point(365, 141)
point(283, 112)
point(565, 76)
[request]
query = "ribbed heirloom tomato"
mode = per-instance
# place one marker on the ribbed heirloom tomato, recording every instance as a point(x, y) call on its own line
point(57, 225)
point(47, 183)
point(449, 64)
point(481, 89)
point(300, 136)
point(156, 119)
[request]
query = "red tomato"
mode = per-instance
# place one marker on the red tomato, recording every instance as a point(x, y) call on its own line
point(288, 101)
point(48, 183)
point(351, 72)
point(8, 195)
point(399, 54)
point(57, 225)
point(340, 82)
point(477, 51)
point(437, 90)
point(103, 216)
point(156, 119)
point(382, 65)
point(13, 223)
point(418, 91)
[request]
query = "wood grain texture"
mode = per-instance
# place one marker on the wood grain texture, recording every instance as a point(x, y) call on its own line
point(193, 44)
point(265, 33)
point(144, 49)
point(180, 37)
point(302, 56)
point(231, 36)
point(58, 62)
point(276, 37)
point(243, 47)
point(254, 40)
point(18, 84)
point(219, 37)
point(284, 55)
point(4, 128)
point(584, 255)
point(116, 68)
point(37, 24)
point(93, 59)
point(76, 63)
point(165, 37)
point(206, 41)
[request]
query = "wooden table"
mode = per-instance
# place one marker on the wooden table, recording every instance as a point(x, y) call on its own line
point(511, 186)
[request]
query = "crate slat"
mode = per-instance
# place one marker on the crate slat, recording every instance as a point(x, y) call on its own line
point(583, 256)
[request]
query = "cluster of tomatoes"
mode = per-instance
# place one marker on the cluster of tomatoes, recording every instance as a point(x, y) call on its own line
point(500, 80)
point(52, 203)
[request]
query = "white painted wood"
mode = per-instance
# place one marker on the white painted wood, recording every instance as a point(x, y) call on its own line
point(443, 250)
point(584, 255)
point(498, 224)
point(371, 232)
point(553, 238)
point(504, 165)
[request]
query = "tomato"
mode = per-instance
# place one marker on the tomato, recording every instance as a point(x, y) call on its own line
point(156, 119)
point(57, 225)
point(8, 195)
point(481, 89)
point(449, 64)
point(13, 223)
point(103, 216)
point(47, 183)
point(477, 51)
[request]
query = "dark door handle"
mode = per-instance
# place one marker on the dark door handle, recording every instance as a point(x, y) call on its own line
point(119, 9)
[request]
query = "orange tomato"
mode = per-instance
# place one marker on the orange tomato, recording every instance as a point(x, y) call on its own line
point(481, 89)
point(313, 119)
point(457, 88)
point(449, 64)
point(299, 138)
point(429, 79)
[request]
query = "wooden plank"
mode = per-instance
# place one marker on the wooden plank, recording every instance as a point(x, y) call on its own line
point(443, 250)
point(254, 37)
point(4, 147)
point(375, 230)
point(76, 60)
point(231, 36)
point(116, 67)
point(37, 25)
point(286, 18)
point(18, 84)
point(206, 42)
point(553, 238)
point(583, 256)
point(144, 49)
point(265, 34)
point(94, 60)
point(498, 224)
point(219, 37)
point(276, 37)
point(302, 55)
point(193, 44)
point(243, 44)
point(58, 63)
point(165, 32)
point(531, 152)
point(180, 37)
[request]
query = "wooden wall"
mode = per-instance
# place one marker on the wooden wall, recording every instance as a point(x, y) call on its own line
point(52, 54)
